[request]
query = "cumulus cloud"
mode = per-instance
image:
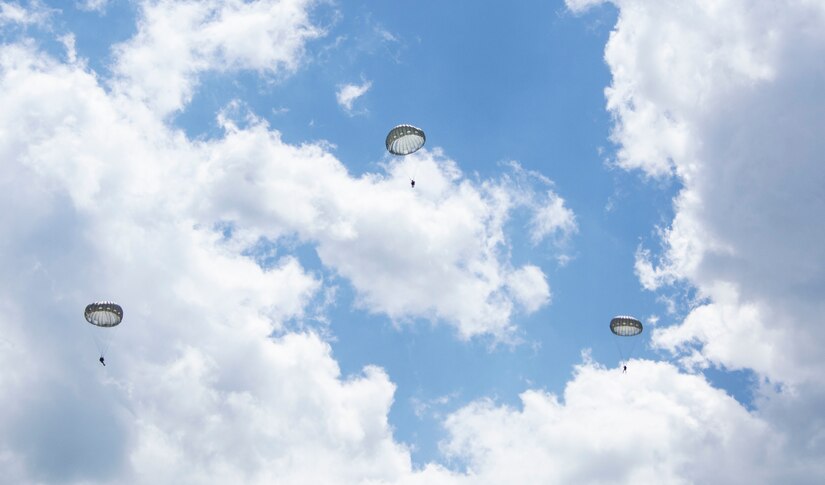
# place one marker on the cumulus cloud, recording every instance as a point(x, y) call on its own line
point(348, 93)
point(209, 380)
point(652, 425)
point(721, 96)
point(107, 211)
point(208, 369)
point(438, 252)
point(391, 243)
point(178, 40)
point(299, 436)
point(12, 13)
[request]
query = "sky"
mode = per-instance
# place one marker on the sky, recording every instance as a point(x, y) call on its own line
point(295, 312)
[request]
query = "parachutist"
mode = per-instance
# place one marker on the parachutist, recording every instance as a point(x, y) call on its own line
point(404, 140)
point(623, 327)
point(104, 315)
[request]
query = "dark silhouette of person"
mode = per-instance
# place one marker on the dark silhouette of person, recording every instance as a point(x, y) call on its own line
point(624, 371)
point(101, 361)
point(412, 183)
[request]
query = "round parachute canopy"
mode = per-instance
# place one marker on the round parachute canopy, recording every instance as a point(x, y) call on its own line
point(405, 139)
point(625, 326)
point(103, 314)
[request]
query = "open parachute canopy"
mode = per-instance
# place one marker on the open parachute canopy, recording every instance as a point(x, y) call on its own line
point(103, 314)
point(405, 139)
point(625, 326)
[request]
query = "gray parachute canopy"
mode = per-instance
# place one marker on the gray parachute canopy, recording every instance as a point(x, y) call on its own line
point(103, 314)
point(625, 326)
point(405, 139)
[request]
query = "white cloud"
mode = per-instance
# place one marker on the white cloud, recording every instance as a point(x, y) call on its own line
point(348, 93)
point(438, 251)
point(731, 332)
point(529, 287)
point(177, 40)
point(299, 423)
point(722, 96)
point(582, 5)
point(14, 13)
point(651, 425)
point(552, 217)
point(110, 203)
point(93, 5)
point(390, 242)
point(105, 207)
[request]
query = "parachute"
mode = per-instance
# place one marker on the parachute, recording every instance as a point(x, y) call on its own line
point(625, 327)
point(103, 315)
point(405, 139)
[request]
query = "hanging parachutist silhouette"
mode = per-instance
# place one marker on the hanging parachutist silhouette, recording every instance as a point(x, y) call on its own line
point(101, 361)
point(624, 371)
point(412, 183)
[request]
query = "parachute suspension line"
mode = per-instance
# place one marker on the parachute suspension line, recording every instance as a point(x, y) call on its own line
point(107, 341)
point(92, 332)
point(619, 348)
point(101, 345)
point(100, 339)
point(624, 360)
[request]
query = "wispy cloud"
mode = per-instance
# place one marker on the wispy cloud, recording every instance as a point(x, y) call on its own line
point(348, 93)
point(93, 5)
point(14, 13)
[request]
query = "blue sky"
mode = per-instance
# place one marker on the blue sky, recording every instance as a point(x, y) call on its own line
point(289, 298)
